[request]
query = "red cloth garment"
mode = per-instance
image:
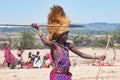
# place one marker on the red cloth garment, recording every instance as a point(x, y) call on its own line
point(9, 57)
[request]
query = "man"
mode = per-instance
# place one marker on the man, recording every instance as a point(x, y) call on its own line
point(58, 46)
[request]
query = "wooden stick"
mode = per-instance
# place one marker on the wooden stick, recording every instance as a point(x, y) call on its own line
point(45, 25)
point(107, 45)
point(105, 54)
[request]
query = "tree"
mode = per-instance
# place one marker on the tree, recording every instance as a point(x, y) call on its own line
point(116, 35)
point(27, 39)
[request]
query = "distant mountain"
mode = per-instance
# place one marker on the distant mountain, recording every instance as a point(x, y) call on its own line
point(98, 27)
point(12, 29)
point(102, 26)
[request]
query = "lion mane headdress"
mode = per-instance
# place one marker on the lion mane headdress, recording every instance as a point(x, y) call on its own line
point(57, 16)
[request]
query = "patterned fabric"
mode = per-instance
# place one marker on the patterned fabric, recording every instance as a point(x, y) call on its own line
point(63, 63)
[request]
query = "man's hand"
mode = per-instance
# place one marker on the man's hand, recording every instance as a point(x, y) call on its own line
point(102, 57)
point(36, 26)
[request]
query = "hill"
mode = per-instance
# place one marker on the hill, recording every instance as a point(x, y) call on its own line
point(97, 28)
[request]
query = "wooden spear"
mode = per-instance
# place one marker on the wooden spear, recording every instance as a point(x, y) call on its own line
point(46, 25)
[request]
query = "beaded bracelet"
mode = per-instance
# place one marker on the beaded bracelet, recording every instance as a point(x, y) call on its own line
point(40, 32)
point(94, 57)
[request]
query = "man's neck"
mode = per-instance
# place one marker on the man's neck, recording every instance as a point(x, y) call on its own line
point(61, 42)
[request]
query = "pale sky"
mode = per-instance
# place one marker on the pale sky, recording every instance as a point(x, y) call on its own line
point(78, 11)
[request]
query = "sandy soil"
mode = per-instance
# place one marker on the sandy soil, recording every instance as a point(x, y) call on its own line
point(82, 69)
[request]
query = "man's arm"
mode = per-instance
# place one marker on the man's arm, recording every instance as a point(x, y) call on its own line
point(83, 55)
point(43, 37)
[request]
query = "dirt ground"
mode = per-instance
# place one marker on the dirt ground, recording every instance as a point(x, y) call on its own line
point(81, 69)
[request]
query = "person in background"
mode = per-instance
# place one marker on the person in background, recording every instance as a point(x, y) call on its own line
point(10, 59)
point(20, 58)
point(47, 60)
point(59, 47)
point(37, 54)
point(37, 61)
point(29, 57)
